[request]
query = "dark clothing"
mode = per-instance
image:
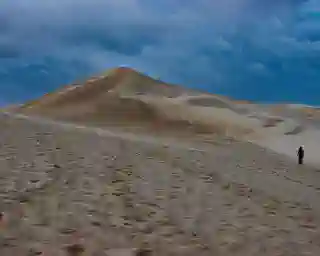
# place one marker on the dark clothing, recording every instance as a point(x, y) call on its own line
point(300, 155)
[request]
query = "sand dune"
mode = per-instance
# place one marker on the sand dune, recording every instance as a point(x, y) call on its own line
point(125, 97)
point(110, 193)
point(205, 101)
point(208, 193)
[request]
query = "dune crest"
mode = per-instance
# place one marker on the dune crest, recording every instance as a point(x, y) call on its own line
point(123, 95)
point(127, 98)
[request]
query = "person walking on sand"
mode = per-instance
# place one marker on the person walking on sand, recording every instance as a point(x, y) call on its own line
point(300, 154)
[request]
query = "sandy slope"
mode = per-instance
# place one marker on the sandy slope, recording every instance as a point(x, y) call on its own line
point(297, 128)
point(287, 145)
point(62, 185)
point(126, 98)
point(157, 184)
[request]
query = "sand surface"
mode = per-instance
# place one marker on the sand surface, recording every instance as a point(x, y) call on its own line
point(126, 162)
point(287, 145)
point(61, 186)
point(130, 98)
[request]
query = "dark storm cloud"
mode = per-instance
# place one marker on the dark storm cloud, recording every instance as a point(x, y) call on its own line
point(243, 48)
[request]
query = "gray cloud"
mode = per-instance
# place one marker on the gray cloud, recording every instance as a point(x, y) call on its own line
point(237, 47)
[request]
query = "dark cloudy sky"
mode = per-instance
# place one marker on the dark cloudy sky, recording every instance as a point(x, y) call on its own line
point(267, 50)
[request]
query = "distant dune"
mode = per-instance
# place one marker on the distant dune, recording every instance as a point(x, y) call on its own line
point(203, 101)
point(124, 97)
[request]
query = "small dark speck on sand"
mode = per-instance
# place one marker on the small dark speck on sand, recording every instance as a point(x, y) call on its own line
point(143, 252)
point(75, 249)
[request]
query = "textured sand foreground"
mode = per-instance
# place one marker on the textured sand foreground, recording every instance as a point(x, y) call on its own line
point(61, 186)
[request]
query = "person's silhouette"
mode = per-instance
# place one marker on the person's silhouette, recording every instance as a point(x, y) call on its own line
point(300, 154)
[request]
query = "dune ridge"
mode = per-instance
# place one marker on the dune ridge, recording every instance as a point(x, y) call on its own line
point(124, 97)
